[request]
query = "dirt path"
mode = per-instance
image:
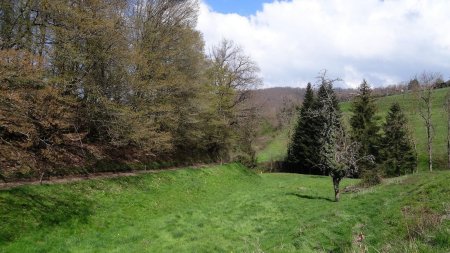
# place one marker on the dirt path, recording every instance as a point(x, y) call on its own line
point(102, 175)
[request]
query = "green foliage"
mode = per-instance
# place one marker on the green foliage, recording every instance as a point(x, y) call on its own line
point(327, 114)
point(303, 146)
point(132, 74)
point(398, 152)
point(363, 122)
point(201, 209)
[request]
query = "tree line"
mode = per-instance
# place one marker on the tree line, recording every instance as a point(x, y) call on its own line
point(89, 80)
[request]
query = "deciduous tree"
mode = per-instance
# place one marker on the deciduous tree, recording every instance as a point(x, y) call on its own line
point(424, 95)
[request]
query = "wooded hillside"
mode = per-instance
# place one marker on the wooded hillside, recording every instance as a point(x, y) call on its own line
point(87, 82)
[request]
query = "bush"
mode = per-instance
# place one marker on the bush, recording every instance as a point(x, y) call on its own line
point(246, 160)
point(371, 177)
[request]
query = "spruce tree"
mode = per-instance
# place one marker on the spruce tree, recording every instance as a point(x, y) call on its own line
point(364, 128)
point(327, 121)
point(303, 145)
point(398, 152)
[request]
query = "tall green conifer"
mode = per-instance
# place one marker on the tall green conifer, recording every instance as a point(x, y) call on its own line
point(364, 128)
point(327, 120)
point(302, 149)
point(398, 152)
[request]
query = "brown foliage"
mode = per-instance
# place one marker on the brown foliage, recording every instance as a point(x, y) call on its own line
point(419, 221)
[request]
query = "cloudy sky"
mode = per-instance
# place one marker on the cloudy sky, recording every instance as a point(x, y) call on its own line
point(385, 42)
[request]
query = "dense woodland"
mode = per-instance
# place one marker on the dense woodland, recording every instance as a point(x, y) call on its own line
point(85, 83)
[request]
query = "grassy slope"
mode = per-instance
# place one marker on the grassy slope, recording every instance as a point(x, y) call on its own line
point(221, 209)
point(277, 147)
point(409, 103)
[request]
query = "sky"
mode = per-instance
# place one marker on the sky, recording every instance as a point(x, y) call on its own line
point(385, 42)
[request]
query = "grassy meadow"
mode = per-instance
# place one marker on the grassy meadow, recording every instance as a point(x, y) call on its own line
point(408, 102)
point(226, 209)
point(276, 149)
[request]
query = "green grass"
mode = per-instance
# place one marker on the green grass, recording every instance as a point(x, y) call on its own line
point(276, 149)
point(409, 103)
point(223, 209)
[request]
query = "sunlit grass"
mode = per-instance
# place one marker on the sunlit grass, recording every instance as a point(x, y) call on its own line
point(221, 209)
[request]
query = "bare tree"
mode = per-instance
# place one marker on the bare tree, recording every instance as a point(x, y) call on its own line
point(346, 160)
point(425, 96)
point(233, 71)
point(447, 109)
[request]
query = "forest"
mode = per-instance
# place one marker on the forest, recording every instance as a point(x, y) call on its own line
point(90, 84)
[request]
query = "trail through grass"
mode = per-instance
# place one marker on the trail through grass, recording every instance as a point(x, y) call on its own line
point(223, 209)
point(276, 149)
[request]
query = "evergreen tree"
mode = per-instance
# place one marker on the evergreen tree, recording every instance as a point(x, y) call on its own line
point(303, 147)
point(398, 152)
point(338, 155)
point(364, 128)
point(327, 118)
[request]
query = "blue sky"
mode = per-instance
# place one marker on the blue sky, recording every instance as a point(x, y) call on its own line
point(241, 7)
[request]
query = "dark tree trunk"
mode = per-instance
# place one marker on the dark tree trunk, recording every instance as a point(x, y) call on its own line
point(336, 181)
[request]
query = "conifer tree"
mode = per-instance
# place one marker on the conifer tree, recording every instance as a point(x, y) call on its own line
point(364, 128)
point(302, 149)
point(338, 155)
point(327, 118)
point(397, 149)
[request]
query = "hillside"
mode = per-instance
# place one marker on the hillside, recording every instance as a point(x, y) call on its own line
point(409, 105)
point(272, 101)
point(226, 209)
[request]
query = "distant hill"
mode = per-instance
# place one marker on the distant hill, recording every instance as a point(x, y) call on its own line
point(272, 101)
point(277, 105)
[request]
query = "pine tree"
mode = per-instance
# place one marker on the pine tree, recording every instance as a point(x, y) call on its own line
point(302, 149)
point(364, 128)
point(397, 149)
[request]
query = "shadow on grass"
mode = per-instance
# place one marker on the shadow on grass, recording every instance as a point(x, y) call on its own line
point(23, 210)
point(303, 196)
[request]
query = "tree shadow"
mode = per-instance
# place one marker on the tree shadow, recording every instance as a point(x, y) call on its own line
point(303, 196)
point(24, 210)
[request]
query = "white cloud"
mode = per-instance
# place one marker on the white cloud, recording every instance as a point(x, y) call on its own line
point(383, 41)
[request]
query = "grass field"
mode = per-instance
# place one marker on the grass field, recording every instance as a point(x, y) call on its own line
point(276, 149)
point(226, 209)
point(278, 146)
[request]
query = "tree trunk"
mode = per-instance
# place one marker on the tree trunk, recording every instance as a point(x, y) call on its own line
point(336, 181)
point(416, 169)
point(41, 177)
point(448, 132)
point(430, 148)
